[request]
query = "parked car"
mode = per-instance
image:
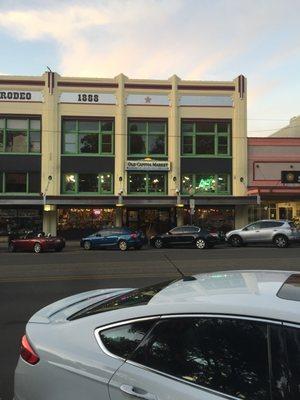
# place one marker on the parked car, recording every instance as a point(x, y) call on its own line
point(232, 334)
point(36, 242)
point(122, 238)
point(281, 233)
point(186, 235)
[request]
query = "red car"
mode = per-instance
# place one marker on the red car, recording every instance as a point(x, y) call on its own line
point(36, 243)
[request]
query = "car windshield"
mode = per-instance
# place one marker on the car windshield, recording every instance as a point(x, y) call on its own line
point(137, 297)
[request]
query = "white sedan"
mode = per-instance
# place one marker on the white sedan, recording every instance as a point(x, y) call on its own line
point(222, 335)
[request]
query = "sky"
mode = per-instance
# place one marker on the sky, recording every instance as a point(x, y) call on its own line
point(214, 40)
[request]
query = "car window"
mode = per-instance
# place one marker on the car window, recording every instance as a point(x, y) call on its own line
point(293, 351)
point(270, 224)
point(138, 297)
point(254, 226)
point(122, 340)
point(229, 356)
point(191, 229)
point(176, 231)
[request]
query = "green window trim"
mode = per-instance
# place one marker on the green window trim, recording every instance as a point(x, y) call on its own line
point(99, 133)
point(5, 131)
point(74, 179)
point(189, 130)
point(3, 185)
point(148, 134)
point(192, 180)
point(146, 177)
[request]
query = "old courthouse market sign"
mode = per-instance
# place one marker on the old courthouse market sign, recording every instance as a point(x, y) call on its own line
point(88, 98)
point(23, 96)
point(143, 165)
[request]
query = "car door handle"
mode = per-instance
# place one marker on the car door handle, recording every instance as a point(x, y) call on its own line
point(139, 393)
point(257, 231)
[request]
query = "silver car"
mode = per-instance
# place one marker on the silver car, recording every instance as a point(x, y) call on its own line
point(233, 335)
point(281, 233)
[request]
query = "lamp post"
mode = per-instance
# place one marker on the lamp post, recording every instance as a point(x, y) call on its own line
point(46, 190)
point(192, 204)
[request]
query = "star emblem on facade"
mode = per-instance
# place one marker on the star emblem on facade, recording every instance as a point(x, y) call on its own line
point(148, 99)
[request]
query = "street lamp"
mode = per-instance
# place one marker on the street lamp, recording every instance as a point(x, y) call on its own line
point(192, 203)
point(46, 190)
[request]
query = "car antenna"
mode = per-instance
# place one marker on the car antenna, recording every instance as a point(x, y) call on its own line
point(185, 278)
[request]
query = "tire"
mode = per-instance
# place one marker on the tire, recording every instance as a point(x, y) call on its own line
point(122, 245)
point(281, 241)
point(87, 245)
point(200, 243)
point(158, 243)
point(236, 241)
point(37, 248)
point(11, 248)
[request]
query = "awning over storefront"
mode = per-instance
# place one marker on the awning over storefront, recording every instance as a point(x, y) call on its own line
point(130, 201)
point(275, 193)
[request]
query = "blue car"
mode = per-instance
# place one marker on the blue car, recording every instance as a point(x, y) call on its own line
point(122, 238)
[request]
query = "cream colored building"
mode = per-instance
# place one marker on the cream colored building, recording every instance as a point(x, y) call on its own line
point(80, 153)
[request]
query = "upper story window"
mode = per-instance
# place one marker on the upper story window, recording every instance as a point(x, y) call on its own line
point(87, 136)
point(207, 138)
point(152, 183)
point(147, 138)
point(20, 182)
point(206, 183)
point(73, 183)
point(20, 135)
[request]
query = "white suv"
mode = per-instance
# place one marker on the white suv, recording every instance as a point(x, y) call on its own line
point(280, 233)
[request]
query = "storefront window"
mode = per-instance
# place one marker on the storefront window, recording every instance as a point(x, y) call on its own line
point(206, 138)
point(20, 135)
point(92, 137)
point(20, 220)
point(147, 183)
point(201, 184)
point(147, 138)
point(212, 218)
point(73, 183)
point(75, 223)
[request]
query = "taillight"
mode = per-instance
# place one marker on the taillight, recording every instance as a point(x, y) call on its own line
point(133, 236)
point(27, 352)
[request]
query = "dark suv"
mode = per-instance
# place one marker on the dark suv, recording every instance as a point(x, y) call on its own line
point(186, 235)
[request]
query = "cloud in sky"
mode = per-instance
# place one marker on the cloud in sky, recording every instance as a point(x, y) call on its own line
point(196, 39)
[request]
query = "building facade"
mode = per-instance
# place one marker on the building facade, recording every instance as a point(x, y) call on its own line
point(274, 176)
point(77, 154)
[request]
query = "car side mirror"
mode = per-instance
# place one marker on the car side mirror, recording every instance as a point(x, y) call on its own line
point(98, 234)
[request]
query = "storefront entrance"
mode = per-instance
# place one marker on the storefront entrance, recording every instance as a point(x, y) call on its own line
point(150, 220)
point(74, 223)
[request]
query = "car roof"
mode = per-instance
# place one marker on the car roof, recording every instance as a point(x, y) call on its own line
point(246, 292)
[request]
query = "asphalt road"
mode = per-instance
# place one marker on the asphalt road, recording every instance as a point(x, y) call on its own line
point(30, 281)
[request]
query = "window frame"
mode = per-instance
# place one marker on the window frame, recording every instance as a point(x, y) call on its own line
point(160, 317)
point(77, 132)
point(3, 184)
point(27, 131)
point(147, 134)
point(217, 192)
point(147, 192)
point(76, 192)
point(216, 134)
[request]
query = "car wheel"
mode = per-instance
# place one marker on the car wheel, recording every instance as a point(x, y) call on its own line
point(11, 247)
point(200, 243)
point(37, 248)
point(87, 245)
point(236, 241)
point(158, 243)
point(122, 245)
point(281, 241)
